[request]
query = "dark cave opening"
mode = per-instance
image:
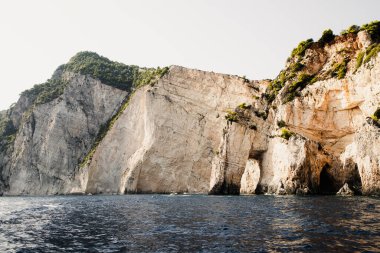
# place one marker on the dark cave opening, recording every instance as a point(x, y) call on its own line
point(327, 183)
point(354, 180)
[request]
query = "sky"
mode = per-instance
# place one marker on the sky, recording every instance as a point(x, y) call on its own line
point(242, 37)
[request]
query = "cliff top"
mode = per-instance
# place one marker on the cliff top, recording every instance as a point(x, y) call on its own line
point(115, 74)
point(332, 56)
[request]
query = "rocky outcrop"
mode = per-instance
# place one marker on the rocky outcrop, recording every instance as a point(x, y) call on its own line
point(52, 138)
point(167, 137)
point(312, 130)
point(345, 191)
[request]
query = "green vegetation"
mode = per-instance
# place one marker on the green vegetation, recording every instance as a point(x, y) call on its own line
point(297, 85)
point(377, 113)
point(352, 29)
point(293, 71)
point(149, 76)
point(295, 76)
point(327, 36)
point(376, 117)
point(231, 116)
point(261, 114)
point(45, 92)
point(112, 73)
point(302, 81)
point(286, 134)
point(7, 132)
point(359, 59)
point(296, 67)
point(244, 106)
point(373, 28)
point(371, 51)
point(88, 63)
point(301, 48)
point(339, 70)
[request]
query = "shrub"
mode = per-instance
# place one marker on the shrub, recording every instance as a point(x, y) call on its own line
point(339, 70)
point(244, 106)
point(302, 81)
point(261, 114)
point(373, 28)
point(371, 51)
point(377, 113)
point(359, 59)
point(301, 48)
point(351, 29)
point(231, 116)
point(149, 76)
point(300, 84)
point(286, 134)
point(270, 96)
point(46, 92)
point(296, 67)
point(7, 132)
point(376, 117)
point(327, 36)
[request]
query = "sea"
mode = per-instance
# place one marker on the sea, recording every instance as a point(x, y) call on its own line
point(189, 223)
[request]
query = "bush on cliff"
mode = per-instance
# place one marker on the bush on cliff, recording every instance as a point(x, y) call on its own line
point(109, 72)
point(45, 92)
point(351, 29)
point(149, 76)
point(327, 36)
point(286, 134)
point(231, 116)
point(339, 70)
point(7, 132)
point(373, 28)
point(376, 117)
point(301, 48)
point(371, 51)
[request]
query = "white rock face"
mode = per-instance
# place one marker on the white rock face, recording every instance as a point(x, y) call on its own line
point(173, 136)
point(250, 178)
point(167, 137)
point(57, 135)
point(333, 113)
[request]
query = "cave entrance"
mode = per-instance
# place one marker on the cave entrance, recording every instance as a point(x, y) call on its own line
point(327, 183)
point(355, 181)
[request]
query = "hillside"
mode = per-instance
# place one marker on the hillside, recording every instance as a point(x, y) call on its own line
point(99, 126)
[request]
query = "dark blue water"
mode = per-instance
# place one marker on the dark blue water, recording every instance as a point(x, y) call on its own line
point(162, 223)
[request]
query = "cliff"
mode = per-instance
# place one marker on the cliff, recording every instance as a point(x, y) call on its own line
point(103, 127)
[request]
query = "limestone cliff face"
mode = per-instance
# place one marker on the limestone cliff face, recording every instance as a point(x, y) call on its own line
point(313, 130)
point(167, 137)
point(53, 137)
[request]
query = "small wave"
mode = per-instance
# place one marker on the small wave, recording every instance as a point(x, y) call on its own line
point(50, 206)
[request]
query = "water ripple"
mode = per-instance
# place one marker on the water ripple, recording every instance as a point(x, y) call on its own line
point(161, 223)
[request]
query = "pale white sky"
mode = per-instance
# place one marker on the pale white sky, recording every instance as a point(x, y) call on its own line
point(243, 37)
